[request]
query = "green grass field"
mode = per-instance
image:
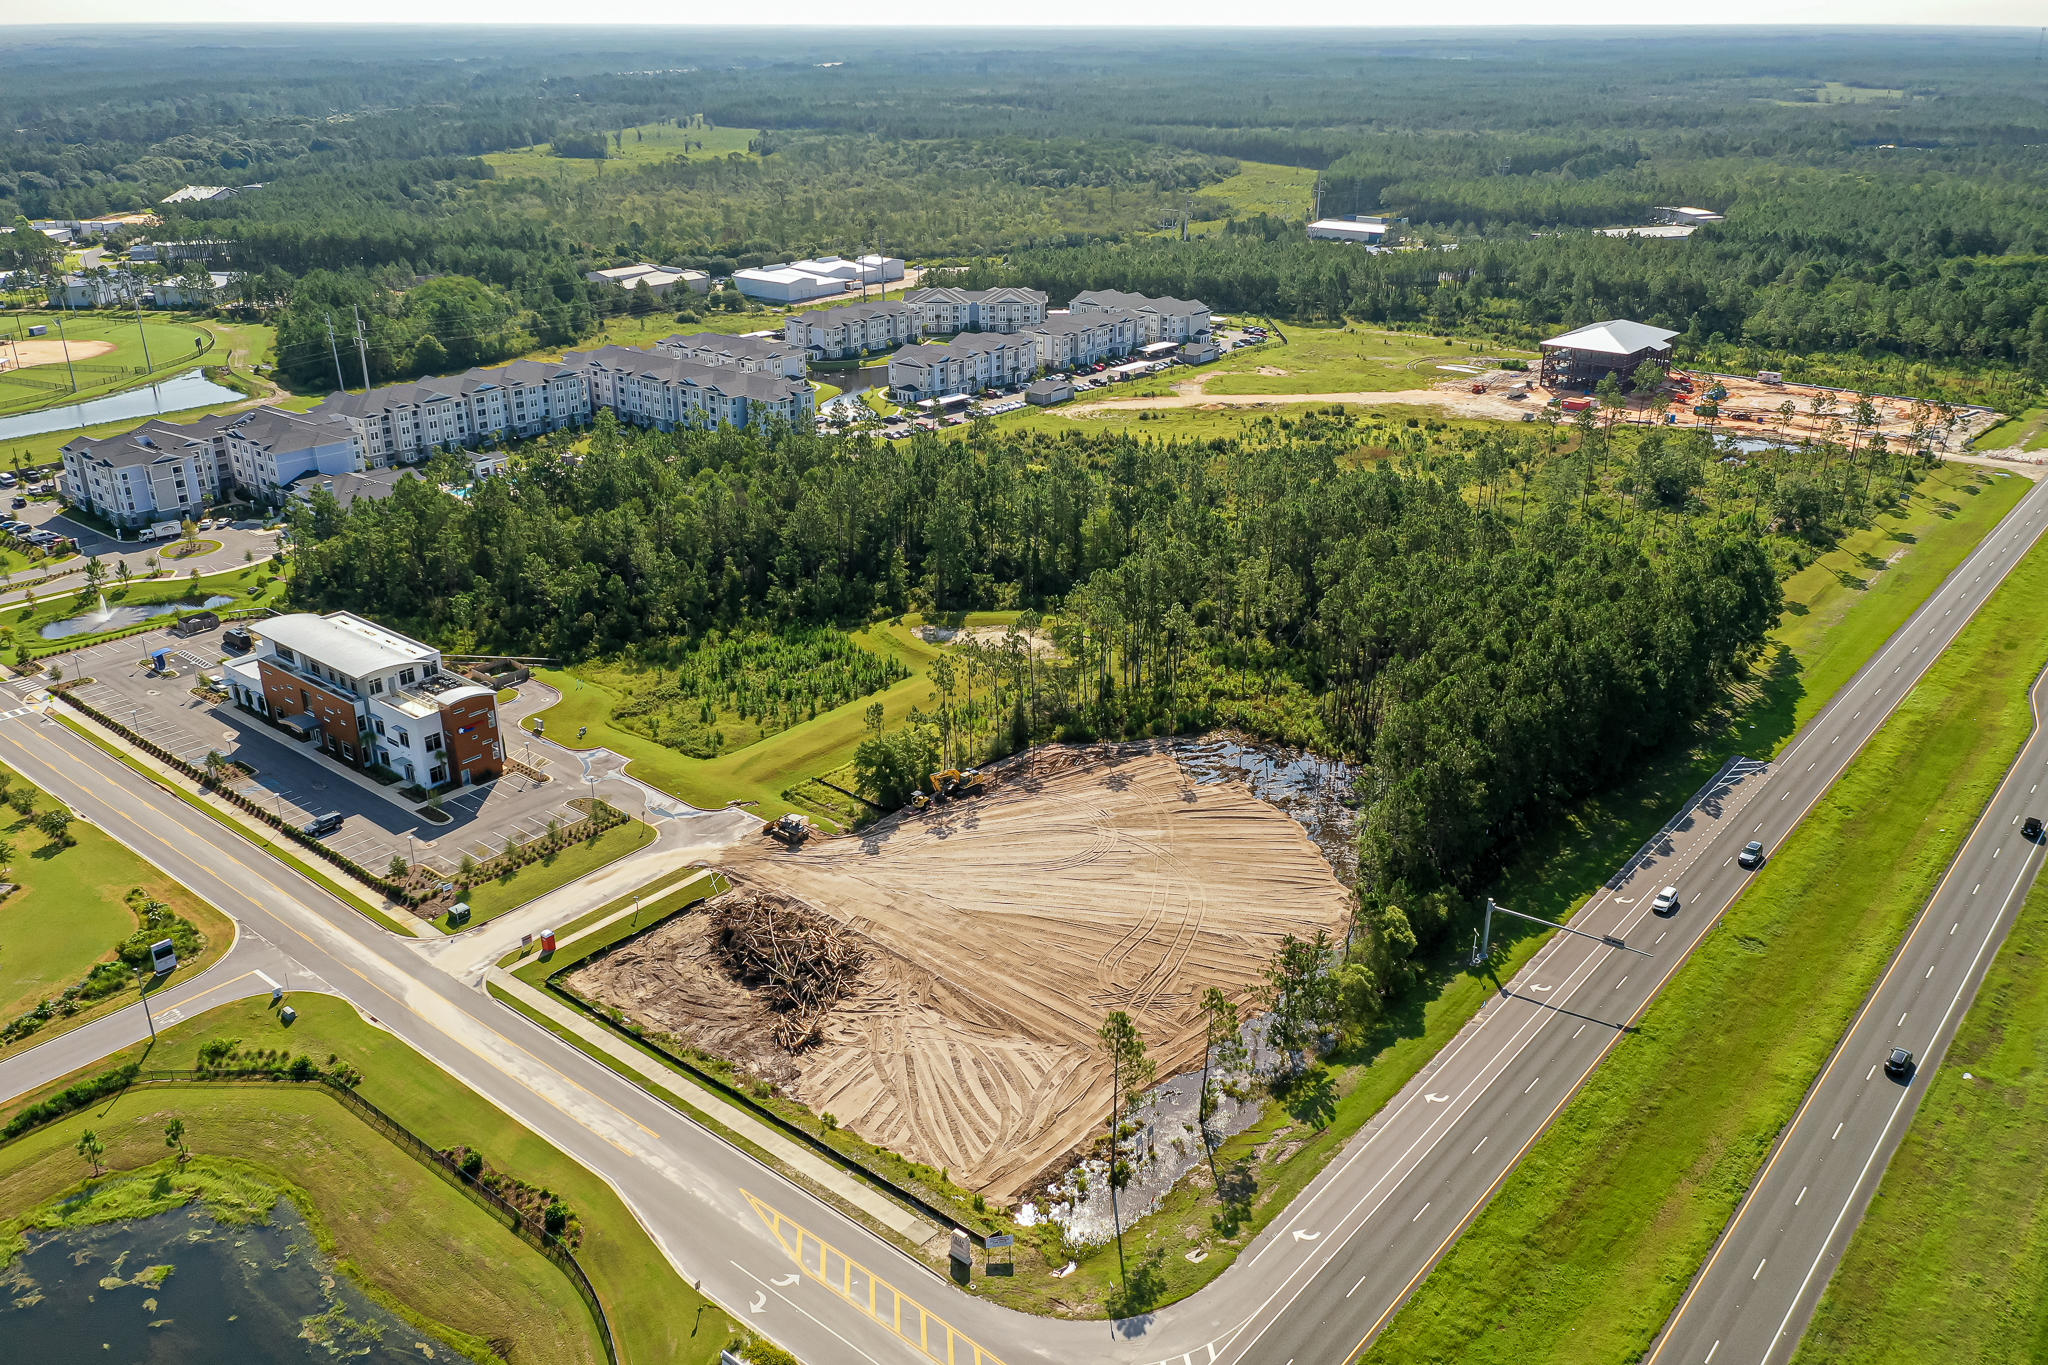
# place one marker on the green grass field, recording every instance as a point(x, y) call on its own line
point(488, 900)
point(1260, 187)
point(759, 772)
point(646, 145)
point(1584, 1250)
point(2023, 431)
point(1951, 1261)
point(129, 352)
point(69, 913)
point(1351, 359)
point(657, 1316)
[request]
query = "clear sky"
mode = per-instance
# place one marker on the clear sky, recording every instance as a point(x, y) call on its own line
point(950, 14)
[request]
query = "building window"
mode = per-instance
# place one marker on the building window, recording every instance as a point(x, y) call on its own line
point(432, 743)
point(378, 722)
point(348, 751)
point(406, 678)
point(437, 775)
point(376, 687)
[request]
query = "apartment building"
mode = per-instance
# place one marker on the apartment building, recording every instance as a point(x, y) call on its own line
point(160, 471)
point(942, 312)
point(854, 330)
point(650, 388)
point(369, 697)
point(768, 355)
point(270, 448)
point(967, 364)
point(1158, 319)
point(1085, 336)
point(405, 423)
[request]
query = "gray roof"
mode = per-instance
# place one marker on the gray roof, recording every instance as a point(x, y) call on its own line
point(1060, 324)
point(854, 312)
point(450, 386)
point(1615, 337)
point(1049, 386)
point(154, 440)
point(1117, 298)
point(1001, 295)
point(343, 641)
point(373, 484)
point(276, 429)
point(753, 385)
point(748, 348)
point(966, 344)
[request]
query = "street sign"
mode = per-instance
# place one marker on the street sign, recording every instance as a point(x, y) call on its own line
point(1002, 1239)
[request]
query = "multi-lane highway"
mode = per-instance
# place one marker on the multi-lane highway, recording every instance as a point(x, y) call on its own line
point(1320, 1280)
point(1758, 1289)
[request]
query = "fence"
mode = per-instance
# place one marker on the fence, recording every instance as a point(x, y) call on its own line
point(417, 1147)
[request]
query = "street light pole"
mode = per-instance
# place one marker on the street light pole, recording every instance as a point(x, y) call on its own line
point(145, 1002)
point(1484, 947)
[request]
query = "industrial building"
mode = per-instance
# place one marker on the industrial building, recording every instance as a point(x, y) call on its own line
point(818, 278)
point(1581, 359)
point(1360, 227)
point(1686, 217)
point(659, 281)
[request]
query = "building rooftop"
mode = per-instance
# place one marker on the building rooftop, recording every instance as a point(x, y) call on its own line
point(375, 485)
point(748, 347)
point(1615, 337)
point(754, 385)
point(855, 312)
point(343, 641)
point(1117, 298)
point(278, 430)
point(951, 295)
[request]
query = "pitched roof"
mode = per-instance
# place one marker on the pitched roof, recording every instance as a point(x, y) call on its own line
point(750, 348)
point(854, 312)
point(280, 430)
point(754, 385)
point(1617, 336)
point(1118, 298)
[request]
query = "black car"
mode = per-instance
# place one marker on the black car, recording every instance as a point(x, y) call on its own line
point(1900, 1064)
point(2030, 828)
point(20, 502)
point(1752, 854)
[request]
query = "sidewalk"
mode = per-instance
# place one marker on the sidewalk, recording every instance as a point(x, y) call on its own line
point(790, 1155)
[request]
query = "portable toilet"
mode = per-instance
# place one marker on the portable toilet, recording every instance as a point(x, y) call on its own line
point(547, 940)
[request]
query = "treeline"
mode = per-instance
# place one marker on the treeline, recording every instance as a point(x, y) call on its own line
point(1490, 626)
point(444, 324)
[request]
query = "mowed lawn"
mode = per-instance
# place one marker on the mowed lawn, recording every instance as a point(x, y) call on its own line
point(1583, 1252)
point(762, 771)
point(1951, 1262)
point(1348, 359)
point(1260, 187)
point(658, 1318)
point(69, 915)
point(490, 899)
point(158, 345)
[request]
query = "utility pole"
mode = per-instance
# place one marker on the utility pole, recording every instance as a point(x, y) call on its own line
point(66, 340)
point(339, 383)
point(135, 297)
point(362, 347)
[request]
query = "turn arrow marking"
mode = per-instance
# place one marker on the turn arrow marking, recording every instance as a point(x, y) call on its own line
point(760, 1303)
point(1438, 1099)
point(1301, 1236)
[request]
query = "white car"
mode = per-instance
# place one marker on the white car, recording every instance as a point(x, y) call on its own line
point(1666, 902)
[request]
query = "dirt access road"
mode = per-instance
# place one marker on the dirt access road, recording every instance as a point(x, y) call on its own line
point(1455, 398)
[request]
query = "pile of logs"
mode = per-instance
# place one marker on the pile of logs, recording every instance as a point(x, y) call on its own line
point(800, 961)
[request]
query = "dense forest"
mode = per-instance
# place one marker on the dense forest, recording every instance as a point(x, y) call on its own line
point(1494, 622)
point(1884, 192)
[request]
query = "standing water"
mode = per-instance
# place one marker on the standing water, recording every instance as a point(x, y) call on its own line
point(182, 1289)
point(192, 389)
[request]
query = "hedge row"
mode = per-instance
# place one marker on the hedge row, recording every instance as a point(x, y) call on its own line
point(76, 1096)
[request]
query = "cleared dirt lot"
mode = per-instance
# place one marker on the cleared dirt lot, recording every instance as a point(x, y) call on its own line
point(23, 353)
point(999, 932)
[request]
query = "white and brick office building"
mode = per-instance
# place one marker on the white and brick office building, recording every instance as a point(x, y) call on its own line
point(369, 697)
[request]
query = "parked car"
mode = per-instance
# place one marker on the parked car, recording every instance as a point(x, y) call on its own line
point(1752, 854)
point(1666, 902)
point(321, 826)
point(20, 503)
point(1899, 1065)
point(236, 638)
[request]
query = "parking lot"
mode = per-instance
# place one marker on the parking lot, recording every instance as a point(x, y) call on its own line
point(298, 783)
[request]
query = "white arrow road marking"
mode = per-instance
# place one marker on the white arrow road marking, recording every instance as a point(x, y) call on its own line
point(786, 1281)
point(1301, 1236)
point(1438, 1099)
point(760, 1303)
point(1539, 988)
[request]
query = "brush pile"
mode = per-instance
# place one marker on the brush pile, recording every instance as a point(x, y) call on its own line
point(801, 962)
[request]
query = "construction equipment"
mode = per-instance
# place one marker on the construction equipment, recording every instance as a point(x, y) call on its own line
point(792, 829)
point(945, 781)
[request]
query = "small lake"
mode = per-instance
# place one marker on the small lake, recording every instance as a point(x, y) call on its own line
point(182, 1289)
point(192, 389)
point(114, 618)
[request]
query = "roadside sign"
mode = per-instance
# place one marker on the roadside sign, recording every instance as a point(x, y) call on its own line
point(163, 957)
point(1001, 1239)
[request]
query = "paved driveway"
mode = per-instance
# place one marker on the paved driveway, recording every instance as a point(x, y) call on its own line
point(295, 781)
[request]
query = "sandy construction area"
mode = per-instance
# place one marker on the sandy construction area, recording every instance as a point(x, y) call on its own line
point(999, 932)
point(28, 351)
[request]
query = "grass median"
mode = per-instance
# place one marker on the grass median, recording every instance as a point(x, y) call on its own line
point(1960, 1224)
point(654, 1312)
point(1585, 1249)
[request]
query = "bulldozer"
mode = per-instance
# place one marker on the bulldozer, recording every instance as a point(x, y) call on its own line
point(792, 829)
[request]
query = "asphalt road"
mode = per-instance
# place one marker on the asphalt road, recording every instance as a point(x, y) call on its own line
point(1758, 1290)
point(1317, 1282)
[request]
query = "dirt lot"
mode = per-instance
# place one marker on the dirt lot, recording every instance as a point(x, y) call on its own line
point(22, 353)
point(998, 933)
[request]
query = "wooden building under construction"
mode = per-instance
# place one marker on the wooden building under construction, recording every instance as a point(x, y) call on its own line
point(1581, 359)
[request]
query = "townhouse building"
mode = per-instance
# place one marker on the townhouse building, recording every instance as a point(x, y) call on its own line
point(853, 330)
point(270, 448)
point(768, 355)
point(942, 312)
point(649, 388)
point(369, 697)
point(967, 364)
point(1164, 319)
point(160, 471)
